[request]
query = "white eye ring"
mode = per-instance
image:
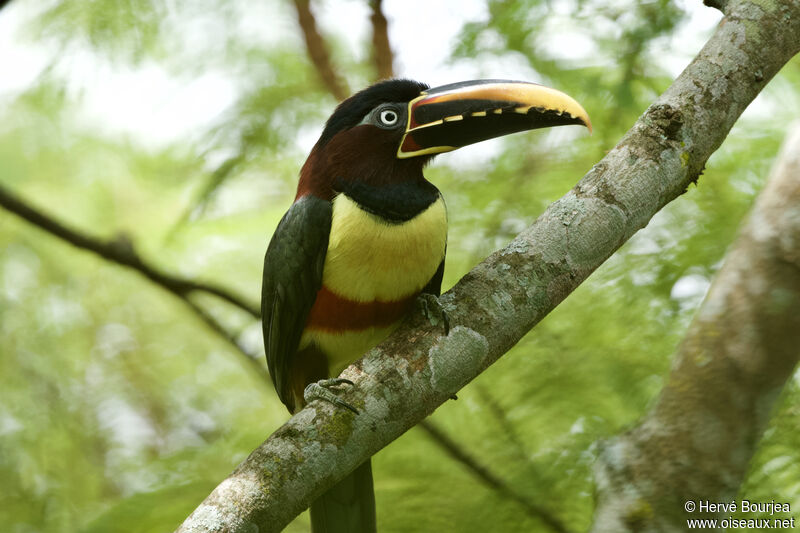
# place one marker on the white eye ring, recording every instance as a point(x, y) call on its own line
point(389, 117)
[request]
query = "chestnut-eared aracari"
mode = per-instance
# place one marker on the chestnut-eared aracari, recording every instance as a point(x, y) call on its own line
point(367, 233)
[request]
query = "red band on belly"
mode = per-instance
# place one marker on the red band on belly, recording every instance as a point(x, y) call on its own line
point(332, 312)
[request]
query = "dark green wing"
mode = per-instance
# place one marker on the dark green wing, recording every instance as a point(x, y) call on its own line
point(292, 276)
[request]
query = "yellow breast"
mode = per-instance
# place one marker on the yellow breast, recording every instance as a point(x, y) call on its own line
point(369, 259)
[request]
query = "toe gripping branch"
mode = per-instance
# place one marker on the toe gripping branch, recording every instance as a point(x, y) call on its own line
point(320, 390)
point(433, 311)
point(435, 314)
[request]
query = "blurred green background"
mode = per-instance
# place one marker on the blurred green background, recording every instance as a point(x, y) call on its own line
point(183, 124)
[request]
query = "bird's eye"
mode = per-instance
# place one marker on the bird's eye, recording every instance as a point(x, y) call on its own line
point(388, 117)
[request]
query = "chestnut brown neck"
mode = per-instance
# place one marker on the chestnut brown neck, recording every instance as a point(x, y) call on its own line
point(361, 162)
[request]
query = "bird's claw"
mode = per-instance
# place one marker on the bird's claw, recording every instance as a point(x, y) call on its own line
point(433, 311)
point(320, 391)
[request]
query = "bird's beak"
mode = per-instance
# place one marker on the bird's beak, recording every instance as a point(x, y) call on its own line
point(451, 116)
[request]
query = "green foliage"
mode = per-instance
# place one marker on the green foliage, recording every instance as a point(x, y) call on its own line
point(120, 410)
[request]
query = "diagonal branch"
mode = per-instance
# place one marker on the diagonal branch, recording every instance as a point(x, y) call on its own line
point(499, 414)
point(318, 51)
point(404, 379)
point(382, 55)
point(741, 348)
point(119, 250)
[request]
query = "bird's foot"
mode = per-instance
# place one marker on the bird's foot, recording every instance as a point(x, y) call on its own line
point(320, 391)
point(433, 311)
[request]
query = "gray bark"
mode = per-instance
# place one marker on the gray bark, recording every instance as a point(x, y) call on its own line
point(417, 369)
point(740, 350)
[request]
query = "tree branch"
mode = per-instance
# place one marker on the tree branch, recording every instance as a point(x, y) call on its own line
point(382, 55)
point(739, 352)
point(318, 51)
point(404, 379)
point(119, 250)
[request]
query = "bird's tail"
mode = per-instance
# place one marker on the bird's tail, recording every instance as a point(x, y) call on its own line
point(348, 506)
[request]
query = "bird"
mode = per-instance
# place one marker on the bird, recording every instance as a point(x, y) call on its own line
point(366, 236)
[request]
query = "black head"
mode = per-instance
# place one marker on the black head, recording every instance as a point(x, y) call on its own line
point(360, 140)
point(355, 109)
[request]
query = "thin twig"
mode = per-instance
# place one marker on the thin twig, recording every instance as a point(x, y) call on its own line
point(489, 478)
point(318, 51)
point(119, 250)
point(499, 414)
point(382, 54)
